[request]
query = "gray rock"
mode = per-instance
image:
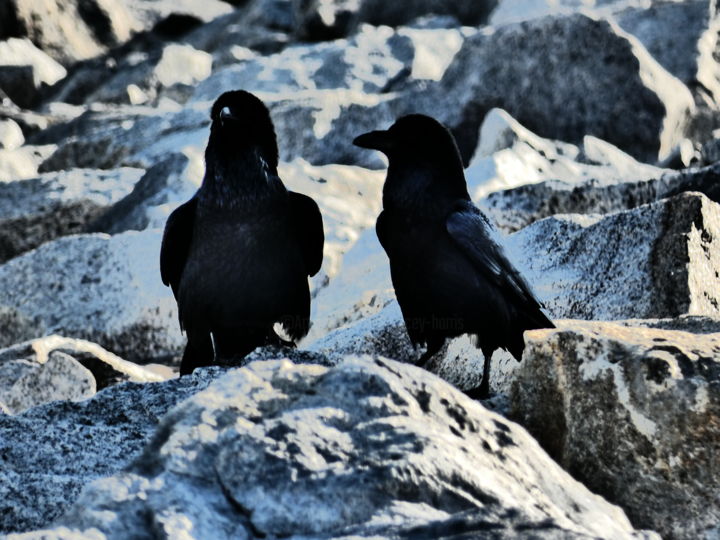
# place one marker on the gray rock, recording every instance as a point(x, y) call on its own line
point(319, 20)
point(670, 31)
point(11, 136)
point(50, 452)
point(655, 261)
point(41, 209)
point(24, 69)
point(634, 413)
point(561, 77)
point(371, 448)
point(516, 208)
point(69, 30)
point(373, 60)
point(135, 136)
point(384, 13)
point(172, 180)
point(104, 367)
point(508, 155)
point(103, 289)
point(15, 327)
point(61, 377)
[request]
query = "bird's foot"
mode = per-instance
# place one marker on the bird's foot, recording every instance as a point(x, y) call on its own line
point(479, 392)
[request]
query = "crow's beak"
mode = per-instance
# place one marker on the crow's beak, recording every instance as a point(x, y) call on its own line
point(375, 140)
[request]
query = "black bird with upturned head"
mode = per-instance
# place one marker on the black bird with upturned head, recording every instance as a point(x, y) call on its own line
point(238, 254)
point(449, 270)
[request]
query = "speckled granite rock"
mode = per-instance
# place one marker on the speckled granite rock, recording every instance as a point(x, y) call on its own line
point(658, 260)
point(634, 413)
point(369, 448)
point(47, 454)
point(100, 288)
point(37, 210)
point(515, 208)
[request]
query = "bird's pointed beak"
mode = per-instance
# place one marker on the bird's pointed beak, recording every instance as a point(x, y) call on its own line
point(375, 140)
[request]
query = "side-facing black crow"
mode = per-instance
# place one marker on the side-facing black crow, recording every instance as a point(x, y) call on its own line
point(238, 254)
point(449, 270)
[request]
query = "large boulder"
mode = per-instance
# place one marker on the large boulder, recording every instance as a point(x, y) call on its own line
point(516, 208)
point(369, 448)
point(100, 288)
point(49, 453)
point(69, 30)
point(24, 70)
point(54, 368)
point(632, 412)
point(561, 77)
point(655, 261)
point(38, 210)
point(510, 155)
point(373, 60)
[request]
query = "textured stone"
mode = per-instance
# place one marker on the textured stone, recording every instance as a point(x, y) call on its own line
point(373, 60)
point(11, 136)
point(70, 30)
point(103, 289)
point(509, 155)
point(24, 69)
point(634, 413)
point(655, 261)
point(38, 210)
point(60, 377)
point(103, 367)
point(515, 208)
point(50, 452)
point(369, 448)
point(561, 77)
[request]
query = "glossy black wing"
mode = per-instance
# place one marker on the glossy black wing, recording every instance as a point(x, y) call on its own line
point(474, 235)
point(176, 243)
point(308, 223)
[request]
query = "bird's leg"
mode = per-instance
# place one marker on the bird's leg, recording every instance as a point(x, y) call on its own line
point(482, 391)
point(434, 344)
point(198, 352)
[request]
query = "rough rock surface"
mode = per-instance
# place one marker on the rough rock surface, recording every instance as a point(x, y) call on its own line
point(593, 267)
point(74, 443)
point(11, 135)
point(561, 77)
point(68, 30)
point(510, 155)
point(38, 210)
point(369, 448)
point(24, 69)
point(654, 26)
point(100, 288)
point(61, 377)
point(516, 208)
point(634, 413)
point(53, 368)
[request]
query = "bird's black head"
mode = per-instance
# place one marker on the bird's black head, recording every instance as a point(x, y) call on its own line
point(241, 126)
point(422, 155)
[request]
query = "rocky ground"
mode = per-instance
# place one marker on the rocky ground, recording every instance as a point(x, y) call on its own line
point(589, 133)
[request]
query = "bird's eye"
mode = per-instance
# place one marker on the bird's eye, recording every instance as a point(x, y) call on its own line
point(225, 112)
